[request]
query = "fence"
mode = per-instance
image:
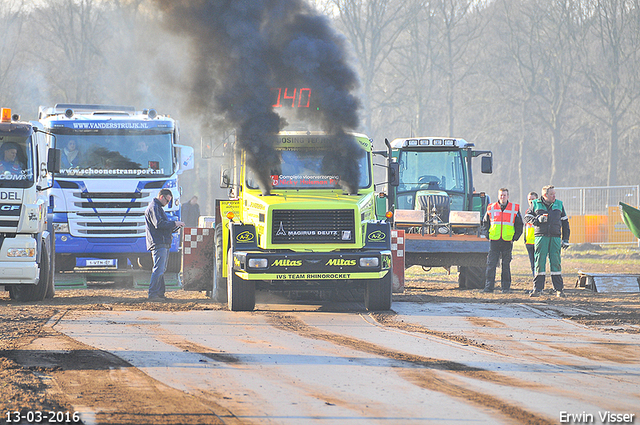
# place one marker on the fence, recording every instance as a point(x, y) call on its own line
point(594, 213)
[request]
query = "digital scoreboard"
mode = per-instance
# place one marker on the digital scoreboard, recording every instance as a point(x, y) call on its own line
point(291, 97)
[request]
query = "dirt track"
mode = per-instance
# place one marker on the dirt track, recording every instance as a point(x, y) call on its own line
point(47, 381)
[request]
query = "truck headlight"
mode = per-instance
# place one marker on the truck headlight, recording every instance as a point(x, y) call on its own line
point(61, 227)
point(21, 252)
point(258, 263)
point(369, 262)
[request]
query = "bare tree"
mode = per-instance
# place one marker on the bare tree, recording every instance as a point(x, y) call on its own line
point(462, 24)
point(412, 65)
point(372, 27)
point(610, 67)
point(11, 52)
point(73, 34)
point(541, 38)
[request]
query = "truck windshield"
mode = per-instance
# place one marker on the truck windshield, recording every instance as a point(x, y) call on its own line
point(115, 155)
point(432, 170)
point(16, 160)
point(303, 169)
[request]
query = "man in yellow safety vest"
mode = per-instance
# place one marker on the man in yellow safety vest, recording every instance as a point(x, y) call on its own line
point(504, 223)
point(529, 236)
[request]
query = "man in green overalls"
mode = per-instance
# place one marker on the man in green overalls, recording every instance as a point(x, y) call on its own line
point(551, 230)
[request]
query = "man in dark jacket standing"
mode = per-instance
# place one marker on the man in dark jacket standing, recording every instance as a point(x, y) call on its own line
point(191, 212)
point(504, 224)
point(551, 229)
point(159, 229)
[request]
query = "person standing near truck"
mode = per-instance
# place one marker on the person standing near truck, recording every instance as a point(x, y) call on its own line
point(551, 229)
point(158, 230)
point(504, 223)
point(529, 236)
point(191, 212)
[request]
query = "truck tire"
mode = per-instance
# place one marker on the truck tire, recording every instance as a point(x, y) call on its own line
point(219, 292)
point(471, 277)
point(241, 294)
point(377, 293)
point(35, 292)
point(51, 288)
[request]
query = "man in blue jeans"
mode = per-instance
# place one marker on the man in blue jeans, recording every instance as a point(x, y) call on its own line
point(159, 229)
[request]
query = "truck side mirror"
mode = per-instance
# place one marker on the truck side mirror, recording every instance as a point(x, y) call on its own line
point(53, 160)
point(224, 178)
point(394, 174)
point(186, 158)
point(487, 165)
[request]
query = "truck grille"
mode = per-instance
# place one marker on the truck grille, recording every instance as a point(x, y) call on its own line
point(10, 216)
point(313, 226)
point(109, 214)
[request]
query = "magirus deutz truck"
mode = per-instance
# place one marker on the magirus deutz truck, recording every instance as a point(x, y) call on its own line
point(114, 160)
point(432, 196)
point(307, 233)
point(27, 240)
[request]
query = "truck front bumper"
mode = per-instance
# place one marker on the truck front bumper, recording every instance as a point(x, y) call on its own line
point(305, 266)
point(18, 265)
point(19, 273)
point(84, 247)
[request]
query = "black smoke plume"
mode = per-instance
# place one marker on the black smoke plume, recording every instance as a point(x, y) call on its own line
point(244, 48)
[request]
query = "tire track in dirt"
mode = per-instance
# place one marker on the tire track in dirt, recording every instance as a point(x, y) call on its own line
point(95, 381)
point(240, 409)
point(424, 372)
point(389, 320)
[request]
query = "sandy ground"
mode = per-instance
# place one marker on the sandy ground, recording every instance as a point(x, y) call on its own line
point(24, 387)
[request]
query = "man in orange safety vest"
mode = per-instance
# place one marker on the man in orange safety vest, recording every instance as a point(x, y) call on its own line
point(504, 224)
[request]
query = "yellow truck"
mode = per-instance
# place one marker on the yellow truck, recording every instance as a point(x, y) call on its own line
point(304, 232)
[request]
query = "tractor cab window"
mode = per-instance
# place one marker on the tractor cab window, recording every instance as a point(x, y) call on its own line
point(428, 172)
point(431, 170)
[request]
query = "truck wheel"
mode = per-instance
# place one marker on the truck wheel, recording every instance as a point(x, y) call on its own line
point(377, 293)
point(241, 294)
point(51, 289)
point(220, 283)
point(471, 277)
point(35, 292)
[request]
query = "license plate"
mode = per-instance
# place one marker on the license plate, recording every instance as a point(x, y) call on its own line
point(101, 263)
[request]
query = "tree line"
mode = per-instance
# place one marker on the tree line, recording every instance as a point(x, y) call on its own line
point(550, 86)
